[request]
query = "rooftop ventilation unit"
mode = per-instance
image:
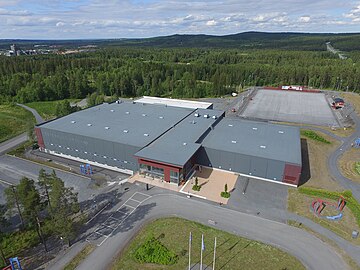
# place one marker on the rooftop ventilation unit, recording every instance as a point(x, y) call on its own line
point(146, 135)
point(230, 125)
point(76, 150)
point(214, 117)
point(196, 115)
point(206, 116)
point(161, 117)
point(89, 125)
point(192, 122)
point(111, 110)
point(184, 143)
point(107, 127)
point(144, 114)
point(127, 112)
point(117, 102)
point(114, 159)
point(73, 122)
point(263, 146)
point(68, 148)
point(281, 132)
point(233, 141)
point(126, 131)
point(254, 128)
point(85, 152)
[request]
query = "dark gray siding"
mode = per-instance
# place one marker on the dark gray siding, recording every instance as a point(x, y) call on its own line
point(255, 166)
point(92, 149)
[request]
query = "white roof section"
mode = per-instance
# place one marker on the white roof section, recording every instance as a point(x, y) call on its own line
point(190, 104)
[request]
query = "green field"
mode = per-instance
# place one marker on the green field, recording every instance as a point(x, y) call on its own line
point(233, 252)
point(14, 120)
point(47, 109)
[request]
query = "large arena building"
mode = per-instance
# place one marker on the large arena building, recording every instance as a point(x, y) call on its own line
point(170, 139)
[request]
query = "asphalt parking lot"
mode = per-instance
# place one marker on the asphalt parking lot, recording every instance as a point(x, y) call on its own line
point(291, 106)
point(261, 198)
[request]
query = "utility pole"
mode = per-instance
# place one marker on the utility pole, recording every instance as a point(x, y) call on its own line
point(214, 254)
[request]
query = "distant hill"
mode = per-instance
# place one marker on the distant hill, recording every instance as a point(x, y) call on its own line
point(257, 40)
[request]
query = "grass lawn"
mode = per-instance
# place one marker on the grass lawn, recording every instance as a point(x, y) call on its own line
point(14, 120)
point(300, 204)
point(318, 155)
point(47, 108)
point(348, 164)
point(354, 99)
point(232, 251)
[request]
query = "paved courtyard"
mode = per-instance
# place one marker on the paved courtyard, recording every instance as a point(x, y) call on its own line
point(291, 106)
point(212, 183)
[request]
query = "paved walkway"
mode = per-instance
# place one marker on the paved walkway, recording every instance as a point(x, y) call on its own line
point(37, 116)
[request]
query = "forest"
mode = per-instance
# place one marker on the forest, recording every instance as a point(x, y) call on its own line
point(171, 72)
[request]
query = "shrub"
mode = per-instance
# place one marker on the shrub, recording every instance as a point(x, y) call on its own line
point(225, 193)
point(314, 136)
point(153, 251)
point(196, 187)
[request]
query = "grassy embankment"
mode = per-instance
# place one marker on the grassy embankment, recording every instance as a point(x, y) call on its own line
point(233, 251)
point(47, 109)
point(14, 120)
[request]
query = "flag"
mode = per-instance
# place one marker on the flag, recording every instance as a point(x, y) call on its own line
point(202, 243)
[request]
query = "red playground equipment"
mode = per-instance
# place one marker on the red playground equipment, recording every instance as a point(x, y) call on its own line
point(319, 205)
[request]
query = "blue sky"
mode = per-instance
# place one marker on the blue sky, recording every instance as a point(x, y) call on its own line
point(71, 19)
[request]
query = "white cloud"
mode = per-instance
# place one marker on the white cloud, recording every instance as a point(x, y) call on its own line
point(305, 19)
point(130, 18)
point(211, 23)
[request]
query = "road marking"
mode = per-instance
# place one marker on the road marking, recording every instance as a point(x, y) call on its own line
point(135, 200)
point(98, 213)
point(141, 194)
point(129, 205)
point(126, 215)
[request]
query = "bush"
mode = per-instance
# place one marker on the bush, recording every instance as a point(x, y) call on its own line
point(225, 194)
point(196, 188)
point(153, 251)
point(314, 136)
point(351, 202)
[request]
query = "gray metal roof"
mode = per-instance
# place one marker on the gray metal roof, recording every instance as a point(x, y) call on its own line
point(181, 142)
point(191, 104)
point(129, 123)
point(259, 139)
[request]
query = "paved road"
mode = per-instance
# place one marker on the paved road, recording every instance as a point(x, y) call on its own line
point(13, 169)
point(37, 116)
point(12, 143)
point(334, 157)
point(311, 251)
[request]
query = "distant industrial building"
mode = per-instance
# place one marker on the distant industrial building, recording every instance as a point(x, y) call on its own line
point(169, 139)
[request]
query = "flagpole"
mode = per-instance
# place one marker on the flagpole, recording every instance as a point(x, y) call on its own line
point(214, 254)
point(190, 239)
point(201, 254)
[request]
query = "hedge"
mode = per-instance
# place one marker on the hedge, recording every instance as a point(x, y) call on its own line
point(314, 136)
point(351, 202)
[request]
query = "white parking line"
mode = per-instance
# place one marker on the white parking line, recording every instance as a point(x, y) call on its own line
point(129, 206)
point(126, 215)
point(131, 199)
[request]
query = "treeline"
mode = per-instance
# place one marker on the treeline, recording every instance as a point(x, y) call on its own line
point(192, 73)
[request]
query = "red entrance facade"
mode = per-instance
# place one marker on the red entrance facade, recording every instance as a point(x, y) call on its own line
point(167, 172)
